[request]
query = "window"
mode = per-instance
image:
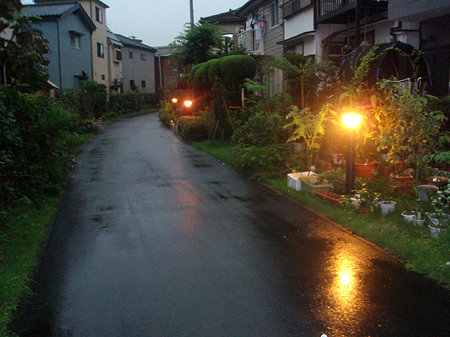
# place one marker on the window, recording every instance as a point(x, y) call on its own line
point(143, 84)
point(118, 55)
point(75, 41)
point(103, 77)
point(100, 50)
point(132, 85)
point(98, 14)
point(274, 16)
point(131, 55)
point(143, 57)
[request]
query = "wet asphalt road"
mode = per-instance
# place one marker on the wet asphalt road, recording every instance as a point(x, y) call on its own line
point(155, 238)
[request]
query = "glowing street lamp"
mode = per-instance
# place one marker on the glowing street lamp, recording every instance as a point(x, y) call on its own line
point(187, 103)
point(174, 100)
point(352, 121)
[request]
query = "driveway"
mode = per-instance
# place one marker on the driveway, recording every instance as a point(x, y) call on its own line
point(155, 238)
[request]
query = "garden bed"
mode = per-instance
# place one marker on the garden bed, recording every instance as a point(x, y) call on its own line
point(414, 245)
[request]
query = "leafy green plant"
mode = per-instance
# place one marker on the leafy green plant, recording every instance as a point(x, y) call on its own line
point(407, 128)
point(309, 126)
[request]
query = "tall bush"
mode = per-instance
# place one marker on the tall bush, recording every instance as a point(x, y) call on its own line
point(125, 103)
point(93, 99)
point(38, 138)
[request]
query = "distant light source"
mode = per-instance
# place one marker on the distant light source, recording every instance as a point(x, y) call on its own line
point(174, 100)
point(352, 120)
point(187, 104)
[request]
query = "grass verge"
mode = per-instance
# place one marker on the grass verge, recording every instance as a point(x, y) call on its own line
point(414, 245)
point(23, 231)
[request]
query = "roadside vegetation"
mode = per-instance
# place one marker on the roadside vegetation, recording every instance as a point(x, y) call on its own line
point(41, 132)
point(401, 195)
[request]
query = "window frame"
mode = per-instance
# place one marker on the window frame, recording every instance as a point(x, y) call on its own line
point(131, 55)
point(143, 84)
point(98, 14)
point(143, 57)
point(274, 14)
point(73, 38)
point(100, 50)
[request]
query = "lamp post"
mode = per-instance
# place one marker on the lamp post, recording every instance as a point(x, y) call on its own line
point(351, 120)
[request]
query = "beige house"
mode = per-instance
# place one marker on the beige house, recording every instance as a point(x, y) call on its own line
point(96, 10)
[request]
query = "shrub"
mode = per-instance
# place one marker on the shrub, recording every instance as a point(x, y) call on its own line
point(236, 68)
point(262, 129)
point(166, 113)
point(70, 99)
point(261, 161)
point(150, 100)
point(192, 129)
point(125, 103)
point(93, 102)
point(38, 142)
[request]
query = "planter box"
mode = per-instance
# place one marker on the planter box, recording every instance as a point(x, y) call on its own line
point(387, 208)
point(333, 198)
point(365, 170)
point(293, 179)
point(310, 188)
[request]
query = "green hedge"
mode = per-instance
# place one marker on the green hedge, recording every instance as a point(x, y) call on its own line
point(233, 70)
point(38, 139)
point(192, 129)
point(125, 103)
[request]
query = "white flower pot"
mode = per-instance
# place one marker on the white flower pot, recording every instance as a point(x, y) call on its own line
point(435, 231)
point(387, 208)
point(408, 217)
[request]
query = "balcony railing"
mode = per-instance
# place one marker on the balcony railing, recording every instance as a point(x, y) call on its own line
point(328, 6)
point(294, 6)
point(249, 40)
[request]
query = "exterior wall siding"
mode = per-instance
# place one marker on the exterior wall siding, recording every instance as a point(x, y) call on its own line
point(100, 71)
point(137, 70)
point(49, 31)
point(74, 61)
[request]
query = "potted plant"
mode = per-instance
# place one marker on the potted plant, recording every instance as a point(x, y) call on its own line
point(367, 199)
point(439, 219)
point(309, 126)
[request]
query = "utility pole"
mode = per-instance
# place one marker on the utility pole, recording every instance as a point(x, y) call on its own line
point(192, 12)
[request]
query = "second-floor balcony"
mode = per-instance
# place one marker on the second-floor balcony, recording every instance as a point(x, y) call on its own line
point(292, 7)
point(344, 11)
point(252, 40)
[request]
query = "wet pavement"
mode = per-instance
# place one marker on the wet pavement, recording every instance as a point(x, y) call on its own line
point(155, 238)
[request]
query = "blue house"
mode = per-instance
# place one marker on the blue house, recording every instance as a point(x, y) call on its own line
point(68, 29)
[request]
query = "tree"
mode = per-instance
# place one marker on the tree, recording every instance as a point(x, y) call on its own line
point(21, 52)
point(197, 44)
point(304, 76)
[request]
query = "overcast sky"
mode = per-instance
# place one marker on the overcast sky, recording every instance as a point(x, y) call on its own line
point(158, 22)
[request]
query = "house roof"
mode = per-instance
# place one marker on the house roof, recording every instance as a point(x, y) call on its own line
point(64, 1)
point(113, 38)
point(250, 6)
point(164, 51)
point(51, 11)
point(134, 43)
point(224, 18)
